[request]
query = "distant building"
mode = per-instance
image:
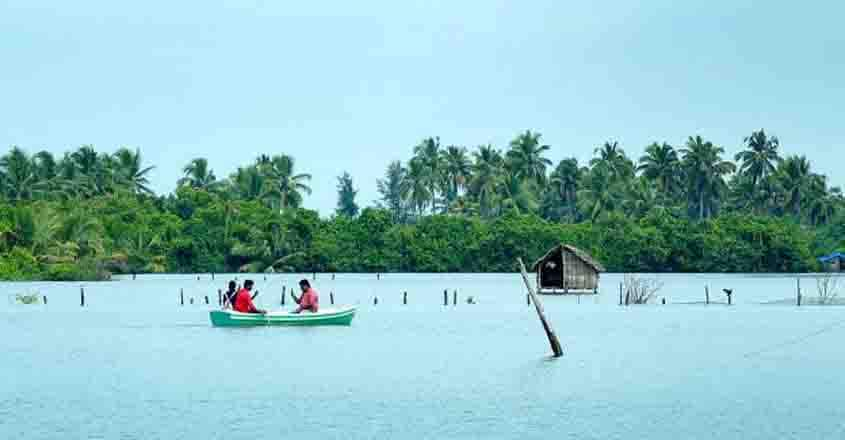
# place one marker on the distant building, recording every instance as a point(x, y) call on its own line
point(833, 262)
point(567, 269)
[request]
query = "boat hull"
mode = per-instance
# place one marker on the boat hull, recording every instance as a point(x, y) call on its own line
point(228, 318)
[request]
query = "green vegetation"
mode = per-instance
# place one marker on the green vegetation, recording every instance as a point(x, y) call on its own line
point(87, 215)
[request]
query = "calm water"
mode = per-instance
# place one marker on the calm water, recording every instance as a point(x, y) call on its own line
point(134, 364)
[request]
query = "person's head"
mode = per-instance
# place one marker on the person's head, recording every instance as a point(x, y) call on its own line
point(248, 284)
point(232, 285)
point(304, 285)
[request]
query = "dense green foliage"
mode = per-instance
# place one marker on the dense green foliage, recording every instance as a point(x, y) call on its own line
point(90, 214)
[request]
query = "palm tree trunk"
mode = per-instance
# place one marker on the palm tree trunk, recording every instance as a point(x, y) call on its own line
point(701, 204)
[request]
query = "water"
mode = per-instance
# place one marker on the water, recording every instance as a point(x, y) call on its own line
point(134, 364)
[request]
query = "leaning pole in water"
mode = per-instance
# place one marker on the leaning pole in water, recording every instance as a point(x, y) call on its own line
point(556, 349)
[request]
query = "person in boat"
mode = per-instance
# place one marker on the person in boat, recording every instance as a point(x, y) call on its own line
point(243, 300)
point(230, 295)
point(309, 300)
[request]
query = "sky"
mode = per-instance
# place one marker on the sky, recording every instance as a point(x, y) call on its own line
point(350, 86)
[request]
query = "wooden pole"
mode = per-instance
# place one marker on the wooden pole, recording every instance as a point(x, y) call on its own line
point(627, 296)
point(620, 294)
point(331, 298)
point(553, 341)
point(220, 297)
point(455, 298)
point(706, 294)
point(181, 297)
point(798, 288)
point(192, 300)
point(375, 300)
point(283, 295)
point(206, 299)
point(405, 298)
point(81, 297)
point(445, 298)
point(45, 299)
point(528, 299)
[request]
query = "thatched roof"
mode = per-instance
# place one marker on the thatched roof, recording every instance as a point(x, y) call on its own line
point(583, 256)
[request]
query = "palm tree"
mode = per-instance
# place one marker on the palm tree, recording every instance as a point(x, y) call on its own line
point(427, 155)
point(599, 193)
point(705, 171)
point(525, 157)
point(85, 160)
point(760, 157)
point(456, 171)
point(391, 190)
point(416, 188)
point(661, 164)
point(517, 193)
point(795, 178)
point(564, 187)
point(129, 172)
point(487, 172)
point(248, 183)
point(17, 175)
point(46, 167)
point(287, 186)
point(823, 203)
point(612, 156)
point(198, 175)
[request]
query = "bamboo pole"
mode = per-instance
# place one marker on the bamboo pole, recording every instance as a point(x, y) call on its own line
point(550, 333)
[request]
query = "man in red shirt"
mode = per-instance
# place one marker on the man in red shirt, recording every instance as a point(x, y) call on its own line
point(309, 300)
point(243, 300)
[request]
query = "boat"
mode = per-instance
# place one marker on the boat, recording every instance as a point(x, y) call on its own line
point(329, 316)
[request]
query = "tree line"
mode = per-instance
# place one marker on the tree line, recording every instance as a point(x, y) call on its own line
point(88, 214)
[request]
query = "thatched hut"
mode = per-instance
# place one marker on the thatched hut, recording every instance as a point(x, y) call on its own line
point(567, 269)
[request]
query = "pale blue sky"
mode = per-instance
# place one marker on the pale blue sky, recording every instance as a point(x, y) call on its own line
point(353, 85)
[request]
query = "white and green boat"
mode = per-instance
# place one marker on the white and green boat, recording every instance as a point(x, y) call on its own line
point(330, 316)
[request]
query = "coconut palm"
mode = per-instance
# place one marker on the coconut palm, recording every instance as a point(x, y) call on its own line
point(456, 171)
point(416, 188)
point(248, 183)
point(198, 175)
point(516, 193)
point(795, 178)
point(760, 157)
point(660, 164)
point(563, 188)
point(129, 172)
point(287, 186)
point(599, 193)
point(611, 156)
point(17, 175)
point(427, 155)
point(487, 172)
point(525, 157)
point(705, 171)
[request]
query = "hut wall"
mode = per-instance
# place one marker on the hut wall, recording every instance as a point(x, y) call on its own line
point(577, 274)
